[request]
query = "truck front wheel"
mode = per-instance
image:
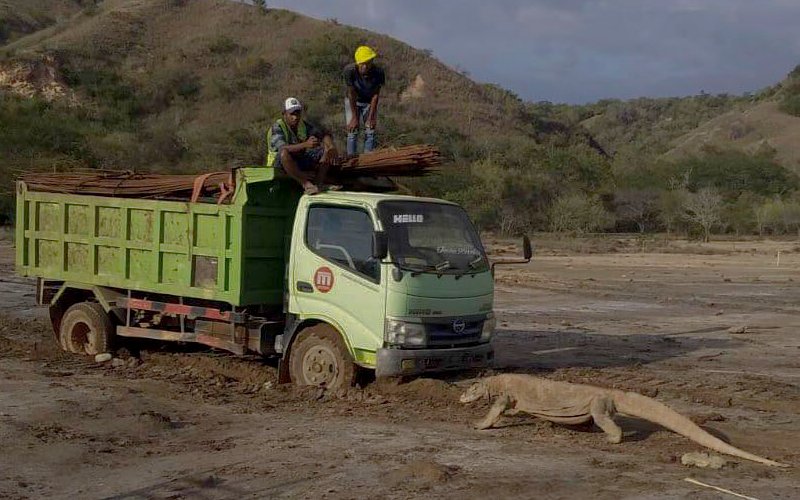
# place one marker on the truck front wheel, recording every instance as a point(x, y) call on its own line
point(319, 357)
point(86, 329)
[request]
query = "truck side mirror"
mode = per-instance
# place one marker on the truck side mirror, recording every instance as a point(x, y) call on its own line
point(527, 253)
point(527, 250)
point(380, 245)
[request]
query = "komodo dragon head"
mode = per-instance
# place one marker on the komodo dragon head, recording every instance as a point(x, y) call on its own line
point(475, 392)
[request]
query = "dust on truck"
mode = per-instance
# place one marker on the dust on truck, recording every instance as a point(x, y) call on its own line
point(331, 282)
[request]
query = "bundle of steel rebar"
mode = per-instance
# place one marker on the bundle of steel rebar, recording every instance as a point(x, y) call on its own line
point(129, 184)
point(407, 161)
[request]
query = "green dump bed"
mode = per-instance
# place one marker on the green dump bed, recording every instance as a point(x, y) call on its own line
point(234, 252)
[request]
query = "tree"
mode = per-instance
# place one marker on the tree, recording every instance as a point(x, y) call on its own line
point(735, 172)
point(639, 206)
point(262, 5)
point(670, 208)
point(761, 213)
point(703, 208)
point(770, 214)
point(740, 215)
point(579, 213)
point(790, 216)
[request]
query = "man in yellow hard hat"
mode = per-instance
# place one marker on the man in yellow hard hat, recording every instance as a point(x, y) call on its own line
point(299, 149)
point(364, 80)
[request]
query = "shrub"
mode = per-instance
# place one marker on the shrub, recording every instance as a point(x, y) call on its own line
point(779, 216)
point(32, 126)
point(740, 215)
point(791, 105)
point(579, 213)
point(670, 208)
point(261, 5)
point(117, 102)
point(5, 31)
point(638, 207)
point(223, 44)
point(163, 89)
point(733, 172)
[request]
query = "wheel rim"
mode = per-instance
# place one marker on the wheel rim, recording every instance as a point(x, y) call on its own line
point(82, 338)
point(320, 366)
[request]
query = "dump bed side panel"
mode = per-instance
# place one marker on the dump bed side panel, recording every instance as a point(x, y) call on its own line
point(177, 248)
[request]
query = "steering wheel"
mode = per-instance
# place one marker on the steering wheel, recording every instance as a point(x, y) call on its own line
point(430, 255)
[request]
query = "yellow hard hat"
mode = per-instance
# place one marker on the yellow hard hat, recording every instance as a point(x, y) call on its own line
point(364, 54)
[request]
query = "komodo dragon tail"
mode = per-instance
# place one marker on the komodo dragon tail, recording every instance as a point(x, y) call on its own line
point(651, 410)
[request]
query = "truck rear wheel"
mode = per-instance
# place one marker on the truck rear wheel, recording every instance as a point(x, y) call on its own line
point(319, 357)
point(86, 329)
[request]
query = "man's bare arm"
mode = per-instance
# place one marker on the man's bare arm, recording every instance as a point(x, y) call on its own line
point(351, 97)
point(311, 142)
point(372, 118)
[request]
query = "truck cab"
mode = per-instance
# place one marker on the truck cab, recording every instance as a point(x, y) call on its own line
point(404, 280)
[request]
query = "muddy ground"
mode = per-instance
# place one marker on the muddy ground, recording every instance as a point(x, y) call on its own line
point(177, 422)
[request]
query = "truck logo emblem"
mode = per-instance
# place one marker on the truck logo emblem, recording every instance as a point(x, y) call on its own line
point(323, 279)
point(459, 325)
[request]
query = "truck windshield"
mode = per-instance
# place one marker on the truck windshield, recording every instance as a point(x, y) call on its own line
point(432, 237)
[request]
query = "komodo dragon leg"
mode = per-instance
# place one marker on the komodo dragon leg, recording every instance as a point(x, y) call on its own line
point(602, 409)
point(500, 405)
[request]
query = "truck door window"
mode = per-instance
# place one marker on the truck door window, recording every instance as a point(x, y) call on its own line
point(343, 236)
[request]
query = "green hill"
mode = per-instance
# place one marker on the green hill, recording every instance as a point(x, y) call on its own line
point(679, 127)
point(651, 125)
point(768, 127)
point(191, 85)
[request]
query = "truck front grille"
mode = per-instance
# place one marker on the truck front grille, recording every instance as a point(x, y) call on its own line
point(442, 333)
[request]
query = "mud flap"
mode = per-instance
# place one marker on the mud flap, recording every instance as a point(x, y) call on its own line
point(283, 371)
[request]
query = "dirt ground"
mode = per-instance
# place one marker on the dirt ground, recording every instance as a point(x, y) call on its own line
point(178, 422)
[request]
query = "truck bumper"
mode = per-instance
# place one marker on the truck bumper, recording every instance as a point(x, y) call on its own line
point(394, 362)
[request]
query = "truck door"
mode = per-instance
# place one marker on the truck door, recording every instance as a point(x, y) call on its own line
point(336, 279)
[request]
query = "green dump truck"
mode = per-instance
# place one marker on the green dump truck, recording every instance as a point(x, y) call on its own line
point(329, 283)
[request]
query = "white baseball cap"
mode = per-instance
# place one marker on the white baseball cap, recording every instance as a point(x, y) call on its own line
point(292, 104)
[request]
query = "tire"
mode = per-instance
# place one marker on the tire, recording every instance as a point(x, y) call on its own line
point(86, 329)
point(319, 357)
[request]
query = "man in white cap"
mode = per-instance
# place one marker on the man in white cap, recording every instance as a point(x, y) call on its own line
point(299, 149)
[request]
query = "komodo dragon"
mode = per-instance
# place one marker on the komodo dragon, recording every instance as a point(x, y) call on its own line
point(566, 403)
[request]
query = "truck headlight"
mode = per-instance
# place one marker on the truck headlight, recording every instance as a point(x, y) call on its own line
point(488, 328)
point(399, 332)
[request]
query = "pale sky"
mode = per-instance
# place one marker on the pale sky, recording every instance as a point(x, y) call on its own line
point(583, 50)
